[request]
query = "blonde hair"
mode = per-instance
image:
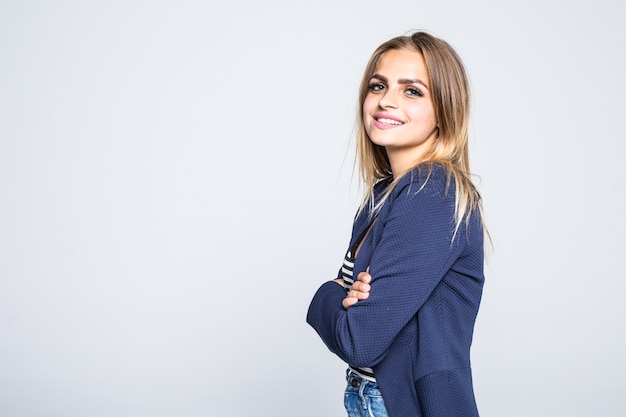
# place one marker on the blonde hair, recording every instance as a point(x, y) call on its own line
point(450, 93)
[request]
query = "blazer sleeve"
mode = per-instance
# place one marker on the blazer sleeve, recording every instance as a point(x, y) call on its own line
point(412, 254)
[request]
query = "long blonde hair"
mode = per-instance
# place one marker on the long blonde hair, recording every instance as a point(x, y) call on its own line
point(450, 94)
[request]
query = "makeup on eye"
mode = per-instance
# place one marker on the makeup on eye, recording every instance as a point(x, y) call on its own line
point(412, 91)
point(375, 87)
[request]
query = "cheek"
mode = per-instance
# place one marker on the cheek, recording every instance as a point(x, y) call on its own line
point(424, 113)
point(368, 105)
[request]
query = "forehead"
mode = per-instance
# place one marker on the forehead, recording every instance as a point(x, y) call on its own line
point(402, 63)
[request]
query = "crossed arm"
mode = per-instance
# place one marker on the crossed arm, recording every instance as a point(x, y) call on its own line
point(360, 290)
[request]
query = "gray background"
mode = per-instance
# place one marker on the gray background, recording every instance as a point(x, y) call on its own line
point(175, 183)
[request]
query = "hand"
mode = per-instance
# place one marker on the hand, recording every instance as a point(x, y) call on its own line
point(360, 290)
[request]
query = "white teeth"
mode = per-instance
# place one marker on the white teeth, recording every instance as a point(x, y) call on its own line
point(389, 121)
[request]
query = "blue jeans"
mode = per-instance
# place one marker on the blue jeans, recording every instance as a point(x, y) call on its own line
point(362, 397)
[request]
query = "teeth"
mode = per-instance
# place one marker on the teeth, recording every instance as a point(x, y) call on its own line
point(389, 121)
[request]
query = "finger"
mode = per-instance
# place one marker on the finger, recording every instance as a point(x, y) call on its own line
point(363, 296)
point(364, 277)
point(349, 302)
point(361, 286)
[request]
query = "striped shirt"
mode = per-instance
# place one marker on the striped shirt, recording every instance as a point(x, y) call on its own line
point(347, 274)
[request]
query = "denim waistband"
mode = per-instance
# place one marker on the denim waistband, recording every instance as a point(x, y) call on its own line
point(357, 380)
point(361, 373)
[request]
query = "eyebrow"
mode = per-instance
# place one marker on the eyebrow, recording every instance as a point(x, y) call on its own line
point(401, 80)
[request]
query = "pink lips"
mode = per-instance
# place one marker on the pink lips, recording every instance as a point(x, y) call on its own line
point(382, 125)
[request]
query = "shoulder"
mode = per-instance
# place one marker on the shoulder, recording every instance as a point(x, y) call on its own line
point(422, 198)
point(424, 181)
point(380, 188)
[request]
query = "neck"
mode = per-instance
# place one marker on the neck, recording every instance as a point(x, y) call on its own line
point(402, 161)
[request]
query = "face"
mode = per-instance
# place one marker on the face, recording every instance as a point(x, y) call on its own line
point(398, 111)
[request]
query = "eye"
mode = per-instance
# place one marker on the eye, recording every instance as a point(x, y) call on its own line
point(375, 87)
point(414, 92)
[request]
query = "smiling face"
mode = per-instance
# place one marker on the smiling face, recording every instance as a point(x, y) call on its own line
point(398, 112)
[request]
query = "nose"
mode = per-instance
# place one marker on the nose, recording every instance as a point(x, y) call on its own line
point(388, 100)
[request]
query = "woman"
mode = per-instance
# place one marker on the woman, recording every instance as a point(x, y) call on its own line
point(404, 325)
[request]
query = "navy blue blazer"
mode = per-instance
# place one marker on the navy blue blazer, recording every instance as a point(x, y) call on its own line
point(415, 329)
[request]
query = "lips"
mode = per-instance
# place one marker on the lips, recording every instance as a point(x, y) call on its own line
point(385, 121)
